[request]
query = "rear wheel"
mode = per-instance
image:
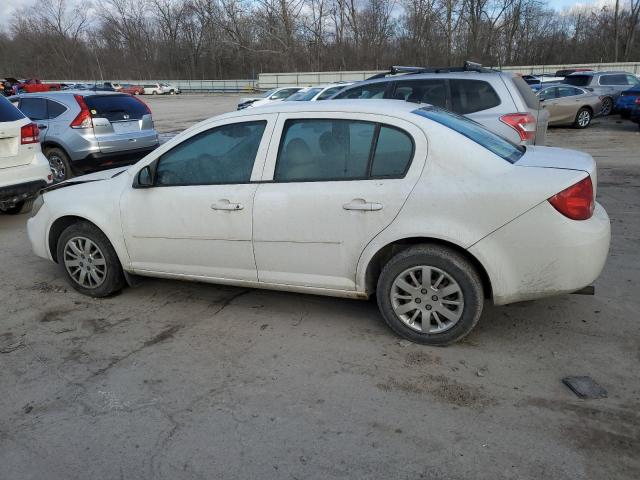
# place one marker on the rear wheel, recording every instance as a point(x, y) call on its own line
point(430, 294)
point(607, 106)
point(583, 118)
point(89, 260)
point(59, 163)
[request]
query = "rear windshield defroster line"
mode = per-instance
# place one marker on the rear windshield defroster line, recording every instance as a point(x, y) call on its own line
point(474, 131)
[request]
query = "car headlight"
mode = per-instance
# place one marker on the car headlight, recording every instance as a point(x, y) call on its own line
point(37, 205)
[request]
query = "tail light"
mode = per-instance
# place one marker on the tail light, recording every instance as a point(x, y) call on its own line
point(575, 202)
point(637, 102)
point(29, 134)
point(145, 105)
point(83, 119)
point(523, 123)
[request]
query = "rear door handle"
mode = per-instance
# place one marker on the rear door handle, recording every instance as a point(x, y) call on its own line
point(41, 126)
point(225, 204)
point(360, 204)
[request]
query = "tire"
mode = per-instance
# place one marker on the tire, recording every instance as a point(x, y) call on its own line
point(607, 106)
point(59, 163)
point(459, 277)
point(154, 93)
point(172, 92)
point(102, 263)
point(15, 210)
point(583, 118)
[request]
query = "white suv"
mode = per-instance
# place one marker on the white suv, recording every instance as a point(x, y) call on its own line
point(24, 170)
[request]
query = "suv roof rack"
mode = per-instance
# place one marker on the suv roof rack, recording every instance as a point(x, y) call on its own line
point(467, 67)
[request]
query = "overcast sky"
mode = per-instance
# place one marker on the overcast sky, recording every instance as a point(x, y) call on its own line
point(7, 7)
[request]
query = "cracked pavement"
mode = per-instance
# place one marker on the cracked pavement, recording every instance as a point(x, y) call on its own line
point(176, 380)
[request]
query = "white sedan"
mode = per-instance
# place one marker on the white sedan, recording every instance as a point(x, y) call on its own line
point(427, 210)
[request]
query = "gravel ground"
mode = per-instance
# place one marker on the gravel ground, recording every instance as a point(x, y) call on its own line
point(176, 380)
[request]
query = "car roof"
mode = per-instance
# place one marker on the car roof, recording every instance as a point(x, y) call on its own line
point(420, 76)
point(593, 74)
point(82, 93)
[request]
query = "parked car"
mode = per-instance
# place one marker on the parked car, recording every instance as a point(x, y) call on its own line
point(608, 85)
point(634, 115)
point(334, 198)
point(32, 85)
point(568, 71)
point(500, 101)
point(273, 95)
point(569, 105)
point(541, 78)
point(160, 89)
point(312, 94)
point(132, 89)
point(626, 101)
point(82, 130)
point(23, 168)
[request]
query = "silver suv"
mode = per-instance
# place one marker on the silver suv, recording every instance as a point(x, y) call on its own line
point(502, 102)
point(607, 85)
point(81, 131)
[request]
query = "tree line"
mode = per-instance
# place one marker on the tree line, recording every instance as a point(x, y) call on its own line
point(219, 39)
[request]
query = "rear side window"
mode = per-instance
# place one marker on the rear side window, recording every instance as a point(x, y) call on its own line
point(613, 80)
point(328, 93)
point(115, 107)
point(8, 112)
point(284, 93)
point(55, 109)
point(568, 92)
point(474, 131)
point(432, 91)
point(578, 80)
point(34, 108)
point(331, 150)
point(370, 90)
point(468, 96)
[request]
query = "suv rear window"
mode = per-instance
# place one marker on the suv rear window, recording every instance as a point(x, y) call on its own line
point(8, 112)
point(474, 131)
point(468, 96)
point(578, 80)
point(115, 107)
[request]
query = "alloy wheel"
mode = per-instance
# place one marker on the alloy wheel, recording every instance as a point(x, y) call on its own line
point(58, 168)
point(584, 118)
point(607, 106)
point(85, 262)
point(427, 299)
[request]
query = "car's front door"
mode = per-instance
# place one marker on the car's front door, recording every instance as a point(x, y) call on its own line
point(196, 219)
point(331, 184)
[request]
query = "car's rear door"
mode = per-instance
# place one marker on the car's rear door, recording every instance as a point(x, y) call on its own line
point(331, 183)
point(121, 122)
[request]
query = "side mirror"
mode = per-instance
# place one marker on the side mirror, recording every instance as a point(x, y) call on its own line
point(144, 178)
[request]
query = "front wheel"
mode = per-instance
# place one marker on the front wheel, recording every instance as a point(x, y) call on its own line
point(89, 260)
point(607, 106)
point(583, 118)
point(430, 295)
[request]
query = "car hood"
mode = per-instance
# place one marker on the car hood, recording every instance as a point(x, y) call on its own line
point(91, 177)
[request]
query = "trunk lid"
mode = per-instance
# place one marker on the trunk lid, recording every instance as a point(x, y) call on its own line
point(559, 158)
point(11, 155)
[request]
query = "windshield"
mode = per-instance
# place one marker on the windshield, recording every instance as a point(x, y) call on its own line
point(304, 95)
point(578, 80)
point(474, 131)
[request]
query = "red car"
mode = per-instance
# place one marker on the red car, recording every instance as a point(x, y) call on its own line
point(132, 89)
point(32, 85)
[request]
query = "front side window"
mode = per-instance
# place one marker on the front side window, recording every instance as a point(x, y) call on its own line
point(34, 108)
point(221, 155)
point(304, 95)
point(284, 93)
point(474, 131)
point(329, 92)
point(327, 149)
point(568, 92)
point(469, 96)
point(549, 93)
point(368, 91)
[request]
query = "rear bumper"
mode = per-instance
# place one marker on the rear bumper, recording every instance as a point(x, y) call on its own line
point(22, 190)
point(542, 253)
point(100, 161)
point(24, 181)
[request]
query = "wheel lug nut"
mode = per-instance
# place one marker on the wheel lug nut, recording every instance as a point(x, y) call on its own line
point(423, 291)
point(434, 298)
point(417, 300)
point(428, 307)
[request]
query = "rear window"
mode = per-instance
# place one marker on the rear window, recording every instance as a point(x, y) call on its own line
point(469, 96)
point(578, 80)
point(474, 131)
point(613, 80)
point(115, 107)
point(8, 112)
point(527, 94)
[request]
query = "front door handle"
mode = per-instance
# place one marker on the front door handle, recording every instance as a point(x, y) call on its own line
point(225, 204)
point(360, 204)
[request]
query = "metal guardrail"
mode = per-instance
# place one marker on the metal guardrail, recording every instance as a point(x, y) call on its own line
point(187, 86)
